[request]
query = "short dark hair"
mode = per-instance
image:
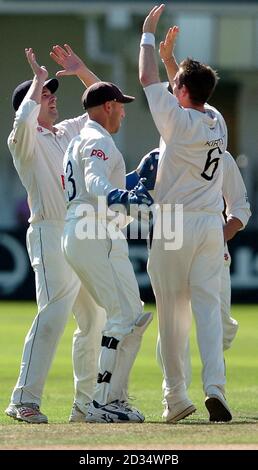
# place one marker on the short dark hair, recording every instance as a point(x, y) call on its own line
point(200, 80)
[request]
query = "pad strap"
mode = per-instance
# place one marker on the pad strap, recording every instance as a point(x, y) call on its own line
point(104, 377)
point(109, 342)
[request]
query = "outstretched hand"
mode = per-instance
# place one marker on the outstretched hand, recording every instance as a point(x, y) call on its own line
point(39, 70)
point(166, 47)
point(66, 57)
point(152, 19)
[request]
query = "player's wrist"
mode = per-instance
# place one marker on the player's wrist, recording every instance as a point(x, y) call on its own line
point(148, 39)
point(168, 60)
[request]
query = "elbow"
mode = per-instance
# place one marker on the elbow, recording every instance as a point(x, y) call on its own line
point(144, 79)
point(148, 78)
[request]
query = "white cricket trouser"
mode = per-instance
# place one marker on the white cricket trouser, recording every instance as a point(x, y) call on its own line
point(57, 289)
point(90, 319)
point(229, 324)
point(104, 268)
point(179, 277)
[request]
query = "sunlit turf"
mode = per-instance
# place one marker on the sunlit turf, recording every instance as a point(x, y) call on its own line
point(145, 386)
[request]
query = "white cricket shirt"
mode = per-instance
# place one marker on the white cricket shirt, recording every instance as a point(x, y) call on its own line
point(191, 147)
point(93, 166)
point(38, 158)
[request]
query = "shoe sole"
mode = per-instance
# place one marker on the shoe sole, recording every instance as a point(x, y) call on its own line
point(182, 415)
point(14, 416)
point(100, 419)
point(24, 420)
point(31, 422)
point(217, 410)
point(81, 419)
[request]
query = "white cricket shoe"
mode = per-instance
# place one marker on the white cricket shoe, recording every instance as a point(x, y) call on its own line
point(11, 411)
point(174, 413)
point(77, 415)
point(28, 412)
point(217, 406)
point(115, 412)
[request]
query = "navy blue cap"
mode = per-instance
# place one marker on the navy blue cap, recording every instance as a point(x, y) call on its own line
point(101, 92)
point(22, 89)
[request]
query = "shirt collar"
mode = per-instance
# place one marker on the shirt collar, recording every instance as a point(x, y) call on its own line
point(44, 131)
point(96, 125)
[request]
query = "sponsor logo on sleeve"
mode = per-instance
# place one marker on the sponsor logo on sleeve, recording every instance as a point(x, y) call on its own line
point(99, 154)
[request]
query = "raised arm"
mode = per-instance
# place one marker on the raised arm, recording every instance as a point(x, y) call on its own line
point(40, 76)
point(166, 52)
point(148, 69)
point(72, 65)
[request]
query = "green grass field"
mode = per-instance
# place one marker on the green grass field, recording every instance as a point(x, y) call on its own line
point(145, 386)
